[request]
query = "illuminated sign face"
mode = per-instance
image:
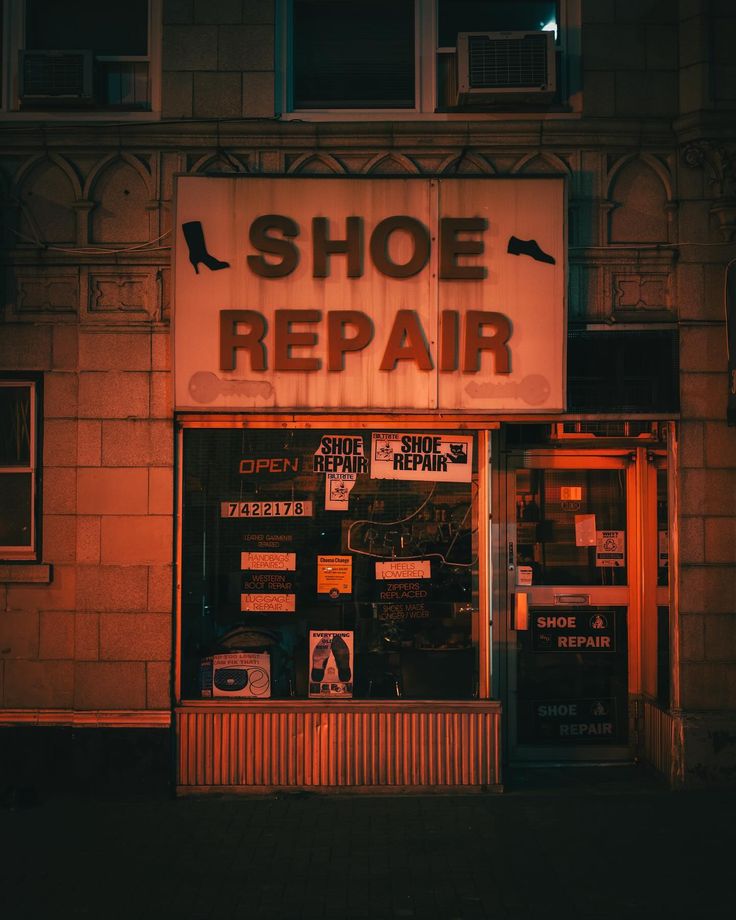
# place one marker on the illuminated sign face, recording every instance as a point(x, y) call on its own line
point(355, 294)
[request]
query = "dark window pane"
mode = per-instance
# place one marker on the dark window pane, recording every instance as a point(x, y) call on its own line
point(15, 509)
point(622, 372)
point(354, 55)
point(15, 426)
point(491, 16)
point(87, 24)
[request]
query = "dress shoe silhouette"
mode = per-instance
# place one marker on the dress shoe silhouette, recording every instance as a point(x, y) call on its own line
point(194, 237)
point(319, 659)
point(528, 248)
point(342, 657)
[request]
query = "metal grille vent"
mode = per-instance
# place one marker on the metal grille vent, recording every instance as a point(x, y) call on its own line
point(610, 428)
point(56, 74)
point(513, 62)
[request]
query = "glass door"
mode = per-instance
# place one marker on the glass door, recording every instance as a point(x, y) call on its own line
point(571, 566)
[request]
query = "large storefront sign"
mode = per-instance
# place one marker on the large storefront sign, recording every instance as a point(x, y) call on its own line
point(317, 293)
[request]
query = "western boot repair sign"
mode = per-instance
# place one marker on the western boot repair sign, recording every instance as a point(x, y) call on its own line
point(374, 294)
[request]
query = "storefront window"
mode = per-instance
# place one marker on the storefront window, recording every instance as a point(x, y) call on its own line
point(329, 563)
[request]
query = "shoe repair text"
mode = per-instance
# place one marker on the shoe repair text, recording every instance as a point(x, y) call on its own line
point(304, 340)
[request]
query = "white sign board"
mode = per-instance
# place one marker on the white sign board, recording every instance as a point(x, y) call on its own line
point(610, 551)
point(369, 293)
point(432, 457)
point(403, 569)
point(241, 674)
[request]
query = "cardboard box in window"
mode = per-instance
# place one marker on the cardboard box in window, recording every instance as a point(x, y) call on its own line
point(240, 675)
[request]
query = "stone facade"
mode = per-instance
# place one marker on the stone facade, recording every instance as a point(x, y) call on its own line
point(650, 161)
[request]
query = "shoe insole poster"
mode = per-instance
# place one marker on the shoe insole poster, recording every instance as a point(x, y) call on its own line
point(330, 663)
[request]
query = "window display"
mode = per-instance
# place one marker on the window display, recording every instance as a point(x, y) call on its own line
point(329, 564)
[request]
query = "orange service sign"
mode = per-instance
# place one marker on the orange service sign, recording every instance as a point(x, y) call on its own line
point(370, 294)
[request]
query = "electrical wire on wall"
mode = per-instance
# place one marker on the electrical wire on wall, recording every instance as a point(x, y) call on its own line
point(444, 559)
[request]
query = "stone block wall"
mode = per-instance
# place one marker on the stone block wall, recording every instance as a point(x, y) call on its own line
point(96, 632)
point(218, 59)
point(630, 62)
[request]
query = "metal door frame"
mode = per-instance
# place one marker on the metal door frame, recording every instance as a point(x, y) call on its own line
point(641, 593)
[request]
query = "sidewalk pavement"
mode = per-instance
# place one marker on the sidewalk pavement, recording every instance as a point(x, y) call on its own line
point(576, 844)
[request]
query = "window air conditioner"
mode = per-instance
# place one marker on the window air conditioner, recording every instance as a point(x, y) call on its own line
point(509, 67)
point(58, 77)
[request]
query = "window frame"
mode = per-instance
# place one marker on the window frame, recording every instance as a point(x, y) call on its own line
point(479, 427)
point(13, 43)
point(426, 50)
point(30, 552)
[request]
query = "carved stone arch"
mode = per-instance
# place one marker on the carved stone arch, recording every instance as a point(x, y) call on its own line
point(654, 163)
point(541, 163)
point(389, 164)
point(319, 164)
point(639, 194)
point(465, 163)
point(121, 191)
point(46, 190)
point(218, 162)
point(104, 165)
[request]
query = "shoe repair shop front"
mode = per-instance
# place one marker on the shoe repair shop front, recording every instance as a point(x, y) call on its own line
point(366, 595)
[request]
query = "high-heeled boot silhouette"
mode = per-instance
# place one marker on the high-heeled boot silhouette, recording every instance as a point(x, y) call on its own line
point(194, 237)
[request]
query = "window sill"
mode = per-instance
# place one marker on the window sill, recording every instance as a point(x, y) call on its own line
point(68, 116)
point(405, 115)
point(32, 573)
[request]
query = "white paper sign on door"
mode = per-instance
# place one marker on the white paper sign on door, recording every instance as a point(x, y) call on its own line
point(585, 532)
point(610, 551)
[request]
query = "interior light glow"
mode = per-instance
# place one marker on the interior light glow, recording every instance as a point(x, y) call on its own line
point(551, 26)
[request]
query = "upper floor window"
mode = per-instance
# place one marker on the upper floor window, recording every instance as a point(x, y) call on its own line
point(353, 55)
point(81, 57)
point(18, 399)
point(427, 56)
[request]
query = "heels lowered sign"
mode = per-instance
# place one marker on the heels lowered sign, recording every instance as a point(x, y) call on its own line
point(362, 293)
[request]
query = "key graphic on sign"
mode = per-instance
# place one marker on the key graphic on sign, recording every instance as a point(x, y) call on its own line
point(532, 389)
point(204, 387)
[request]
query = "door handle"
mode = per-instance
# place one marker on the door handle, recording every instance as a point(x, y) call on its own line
point(521, 611)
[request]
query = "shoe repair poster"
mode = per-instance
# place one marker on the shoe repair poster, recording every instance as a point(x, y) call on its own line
point(330, 663)
point(340, 458)
point(429, 457)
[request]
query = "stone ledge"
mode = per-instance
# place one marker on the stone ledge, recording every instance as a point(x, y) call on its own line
point(22, 573)
point(97, 718)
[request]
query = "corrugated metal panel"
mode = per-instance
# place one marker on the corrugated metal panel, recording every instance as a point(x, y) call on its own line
point(451, 745)
point(659, 738)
